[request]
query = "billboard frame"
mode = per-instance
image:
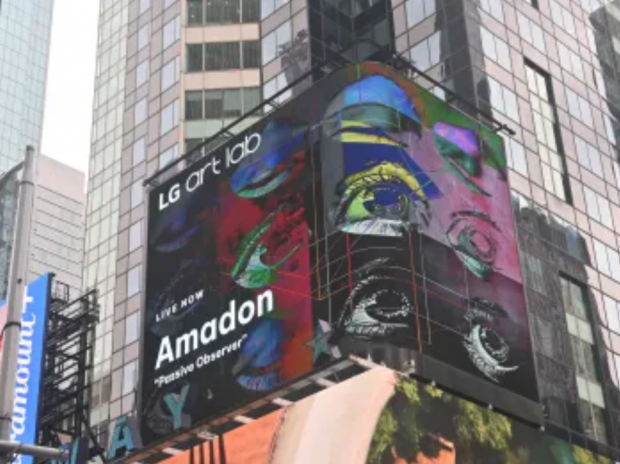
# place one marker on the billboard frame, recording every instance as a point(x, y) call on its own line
point(185, 435)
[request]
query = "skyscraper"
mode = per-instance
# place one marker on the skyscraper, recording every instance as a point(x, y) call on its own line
point(25, 27)
point(57, 234)
point(546, 69)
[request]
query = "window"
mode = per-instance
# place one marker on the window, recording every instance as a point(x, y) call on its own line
point(427, 53)
point(169, 117)
point(493, 8)
point(168, 3)
point(132, 328)
point(251, 98)
point(607, 260)
point(223, 55)
point(534, 3)
point(172, 32)
point(210, 12)
point(531, 33)
point(575, 300)
point(570, 61)
point(142, 73)
point(223, 11)
point(144, 36)
point(534, 273)
point(136, 194)
point(274, 86)
point(579, 107)
point(612, 311)
point(168, 156)
point(193, 105)
point(134, 281)
point(251, 54)
point(419, 10)
point(503, 99)
point(611, 128)
point(195, 12)
point(214, 104)
point(135, 236)
point(140, 112)
point(144, 5)
point(232, 103)
point(229, 103)
point(139, 151)
point(171, 73)
point(496, 49)
point(588, 156)
point(130, 377)
point(269, 6)
point(553, 164)
point(194, 57)
point(275, 42)
point(250, 11)
point(543, 331)
point(598, 208)
point(562, 17)
point(515, 152)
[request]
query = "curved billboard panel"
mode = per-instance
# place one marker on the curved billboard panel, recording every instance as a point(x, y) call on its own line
point(366, 217)
point(402, 421)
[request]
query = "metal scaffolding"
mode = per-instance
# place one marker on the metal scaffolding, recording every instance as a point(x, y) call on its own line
point(67, 372)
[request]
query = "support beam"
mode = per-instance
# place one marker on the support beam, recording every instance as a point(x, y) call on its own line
point(10, 448)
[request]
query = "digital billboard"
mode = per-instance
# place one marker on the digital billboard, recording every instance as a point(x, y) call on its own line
point(365, 217)
point(30, 359)
point(382, 418)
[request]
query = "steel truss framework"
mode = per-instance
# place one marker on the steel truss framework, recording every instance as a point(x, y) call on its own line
point(67, 372)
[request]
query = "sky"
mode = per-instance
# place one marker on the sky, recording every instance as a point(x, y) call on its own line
point(71, 81)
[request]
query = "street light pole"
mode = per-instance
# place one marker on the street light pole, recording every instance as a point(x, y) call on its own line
point(15, 297)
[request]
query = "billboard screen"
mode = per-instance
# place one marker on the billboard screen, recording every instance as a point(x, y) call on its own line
point(366, 216)
point(402, 421)
point(30, 361)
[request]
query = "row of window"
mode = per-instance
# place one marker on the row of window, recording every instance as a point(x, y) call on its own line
point(211, 12)
point(220, 104)
point(222, 56)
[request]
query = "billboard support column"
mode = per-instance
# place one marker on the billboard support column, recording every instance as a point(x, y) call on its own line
point(15, 296)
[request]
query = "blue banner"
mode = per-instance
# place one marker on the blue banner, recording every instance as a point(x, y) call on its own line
point(30, 365)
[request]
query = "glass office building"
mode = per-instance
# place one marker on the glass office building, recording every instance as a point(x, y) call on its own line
point(172, 72)
point(25, 27)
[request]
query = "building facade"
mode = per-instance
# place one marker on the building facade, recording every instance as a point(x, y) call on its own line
point(57, 237)
point(25, 28)
point(172, 73)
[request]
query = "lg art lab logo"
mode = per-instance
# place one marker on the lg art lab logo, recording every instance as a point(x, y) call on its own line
point(231, 157)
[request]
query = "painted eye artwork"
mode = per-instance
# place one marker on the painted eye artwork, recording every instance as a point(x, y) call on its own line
point(472, 236)
point(487, 349)
point(276, 160)
point(260, 361)
point(267, 247)
point(385, 199)
point(377, 308)
point(460, 149)
point(378, 106)
point(385, 192)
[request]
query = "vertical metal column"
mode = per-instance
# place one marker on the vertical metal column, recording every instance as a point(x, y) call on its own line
point(15, 297)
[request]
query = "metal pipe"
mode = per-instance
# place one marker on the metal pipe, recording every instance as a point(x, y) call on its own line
point(10, 448)
point(15, 297)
